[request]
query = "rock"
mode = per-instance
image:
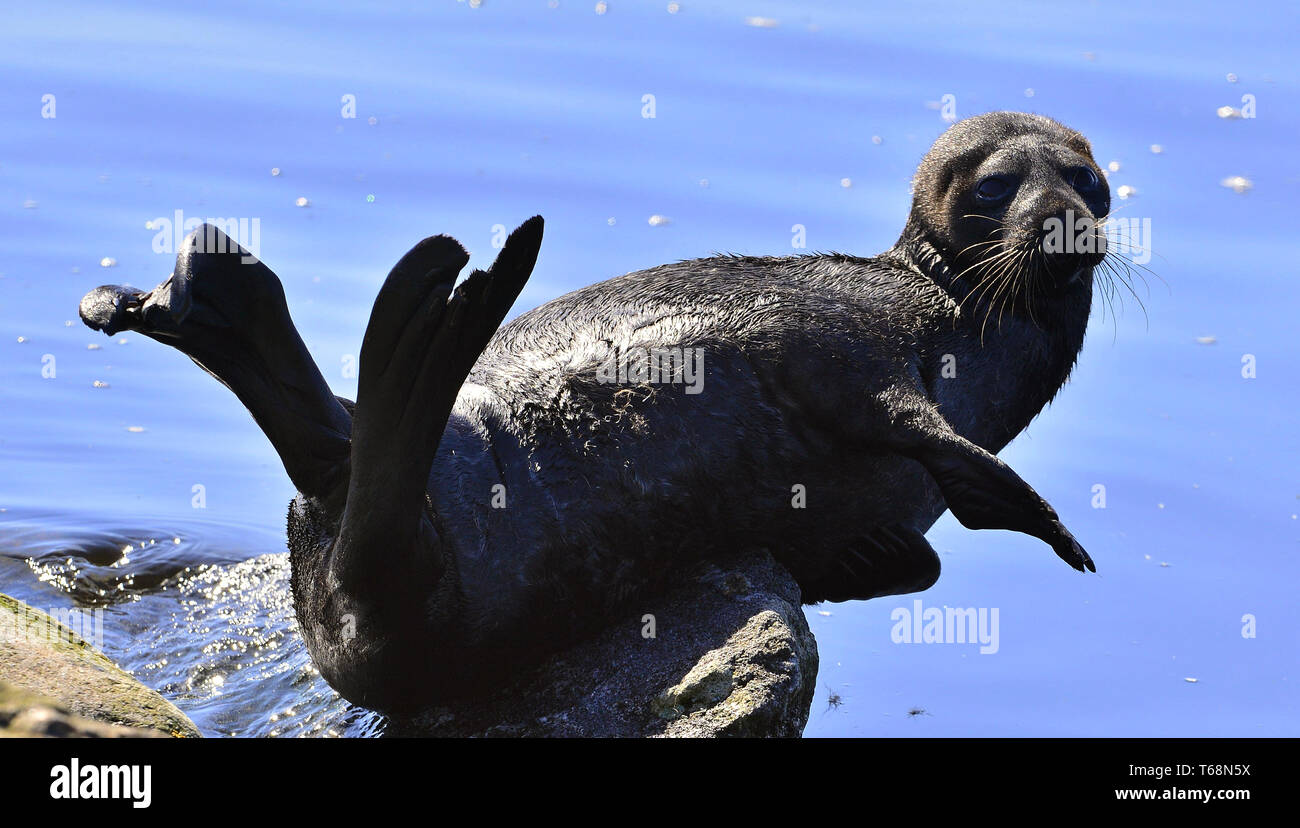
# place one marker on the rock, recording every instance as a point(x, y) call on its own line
point(25, 715)
point(732, 655)
point(60, 674)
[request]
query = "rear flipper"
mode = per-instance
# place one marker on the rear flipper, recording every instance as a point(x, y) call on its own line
point(888, 560)
point(422, 340)
point(226, 311)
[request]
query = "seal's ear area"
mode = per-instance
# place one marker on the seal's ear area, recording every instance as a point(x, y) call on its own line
point(1021, 123)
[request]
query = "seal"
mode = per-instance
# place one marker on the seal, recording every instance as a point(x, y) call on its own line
point(494, 494)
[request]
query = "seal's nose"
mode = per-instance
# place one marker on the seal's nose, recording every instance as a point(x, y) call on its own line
point(1070, 238)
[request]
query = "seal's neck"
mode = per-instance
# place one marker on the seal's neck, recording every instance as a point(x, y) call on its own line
point(1018, 355)
point(915, 251)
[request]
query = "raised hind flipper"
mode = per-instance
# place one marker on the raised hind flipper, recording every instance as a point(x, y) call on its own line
point(226, 311)
point(422, 340)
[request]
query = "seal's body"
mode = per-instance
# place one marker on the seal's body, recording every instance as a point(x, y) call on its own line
point(491, 496)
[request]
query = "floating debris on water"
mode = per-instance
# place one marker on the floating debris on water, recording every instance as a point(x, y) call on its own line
point(1113, 166)
point(673, 8)
point(29, 204)
point(302, 202)
point(22, 339)
point(1228, 113)
point(99, 384)
point(611, 221)
point(1232, 78)
point(658, 221)
point(762, 22)
point(846, 182)
point(833, 699)
point(108, 261)
point(1190, 680)
point(1125, 191)
point(135, 429)
point(1157, 149)
point(602, 7)
point(876, 139)
point(94, 346)
point(825, 613)
point(1029, 93)
point(1206, 340)
point(275, 171)
point(1237, 183)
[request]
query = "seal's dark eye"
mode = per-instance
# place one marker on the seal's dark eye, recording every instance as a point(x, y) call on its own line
point(1082, 178)
point(992, 189)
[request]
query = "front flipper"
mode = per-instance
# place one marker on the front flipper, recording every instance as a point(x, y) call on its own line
point(888, 560)
point(984, 493)
point(981, 491)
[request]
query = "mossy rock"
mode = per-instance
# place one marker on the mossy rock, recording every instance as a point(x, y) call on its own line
point(55, 667)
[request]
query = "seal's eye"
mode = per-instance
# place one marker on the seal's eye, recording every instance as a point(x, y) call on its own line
point(993, 189)
point(1082, 178)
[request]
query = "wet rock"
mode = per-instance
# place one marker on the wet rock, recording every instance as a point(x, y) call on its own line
point(65, 681)
point(731, 655)
point(24, 715)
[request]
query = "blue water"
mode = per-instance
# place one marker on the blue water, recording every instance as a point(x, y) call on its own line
point(485, 116)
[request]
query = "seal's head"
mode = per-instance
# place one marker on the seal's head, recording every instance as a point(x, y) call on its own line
point(1013, 204)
